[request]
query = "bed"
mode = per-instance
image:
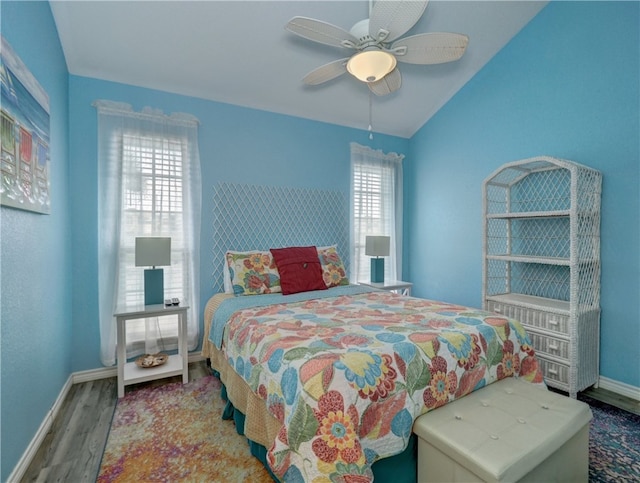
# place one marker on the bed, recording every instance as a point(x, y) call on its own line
point(330, 380)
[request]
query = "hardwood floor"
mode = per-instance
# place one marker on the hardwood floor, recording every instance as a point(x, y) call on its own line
point(72, 450)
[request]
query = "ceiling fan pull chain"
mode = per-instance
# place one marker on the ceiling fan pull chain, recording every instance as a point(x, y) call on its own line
point(370, 115)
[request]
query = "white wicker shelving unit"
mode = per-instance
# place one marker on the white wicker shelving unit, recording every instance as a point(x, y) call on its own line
point(541, 251)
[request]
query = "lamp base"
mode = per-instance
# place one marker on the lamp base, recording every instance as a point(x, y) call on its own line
point(153, 286)
point(377, 270)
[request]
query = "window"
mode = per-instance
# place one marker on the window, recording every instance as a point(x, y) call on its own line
point(152, 206)
point(149, 183)
point(376, 208)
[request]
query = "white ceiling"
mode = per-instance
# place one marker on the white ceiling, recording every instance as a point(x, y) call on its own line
point(239, 52)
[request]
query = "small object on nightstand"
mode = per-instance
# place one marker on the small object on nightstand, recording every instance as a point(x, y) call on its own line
point(167, 302)
point(151, 360)
point(175, 301)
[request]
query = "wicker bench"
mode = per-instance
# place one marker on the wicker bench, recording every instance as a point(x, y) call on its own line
point(508, 431)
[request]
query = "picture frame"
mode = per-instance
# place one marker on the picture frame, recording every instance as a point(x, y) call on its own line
point(24, 137)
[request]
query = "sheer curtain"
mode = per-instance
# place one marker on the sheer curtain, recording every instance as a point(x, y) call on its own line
point(148, 185)
point(376, 208)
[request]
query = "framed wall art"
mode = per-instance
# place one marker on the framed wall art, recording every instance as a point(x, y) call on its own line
point(24, 137)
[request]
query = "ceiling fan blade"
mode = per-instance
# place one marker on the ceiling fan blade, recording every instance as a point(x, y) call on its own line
point(433, 48)
point(326, 72)
point(322, 32)
point(392, 18)
point(388, 84)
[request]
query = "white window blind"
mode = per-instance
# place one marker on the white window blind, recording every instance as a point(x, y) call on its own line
point(376, 208)
point(152, 206)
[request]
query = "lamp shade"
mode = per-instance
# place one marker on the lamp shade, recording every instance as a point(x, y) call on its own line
point(371, 65)
point(153, 251)
point(377, 246)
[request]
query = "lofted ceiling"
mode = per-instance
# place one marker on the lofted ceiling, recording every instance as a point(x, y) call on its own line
point(238, 52)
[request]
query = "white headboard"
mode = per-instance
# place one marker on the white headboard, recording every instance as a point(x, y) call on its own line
point(250, 217)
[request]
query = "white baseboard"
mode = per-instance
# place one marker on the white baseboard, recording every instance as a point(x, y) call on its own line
point(196, 357)
point(621, 388)
point(77, 377)
point(94, 374)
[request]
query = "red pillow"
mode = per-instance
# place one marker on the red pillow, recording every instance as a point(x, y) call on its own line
point(299, 268)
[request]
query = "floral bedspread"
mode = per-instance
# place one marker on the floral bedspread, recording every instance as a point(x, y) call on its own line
point(348, 375)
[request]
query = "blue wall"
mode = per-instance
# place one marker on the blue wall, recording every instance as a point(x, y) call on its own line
point(237, 145)
point(35, 344)
point(566, 86)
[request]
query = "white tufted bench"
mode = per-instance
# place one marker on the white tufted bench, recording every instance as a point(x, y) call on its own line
point(508, 431)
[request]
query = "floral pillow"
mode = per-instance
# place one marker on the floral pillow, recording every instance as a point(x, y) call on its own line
point(333, 271)
point(253, 273)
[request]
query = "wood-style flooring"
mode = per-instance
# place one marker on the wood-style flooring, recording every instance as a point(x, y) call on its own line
point(72, 450)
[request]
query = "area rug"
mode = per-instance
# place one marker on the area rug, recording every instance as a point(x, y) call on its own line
point(174, 432)
point(614, 443)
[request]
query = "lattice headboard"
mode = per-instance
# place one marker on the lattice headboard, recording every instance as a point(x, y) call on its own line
point(250, 217)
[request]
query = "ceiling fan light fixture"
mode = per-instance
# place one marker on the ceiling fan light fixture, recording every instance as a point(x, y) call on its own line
point(371, 65)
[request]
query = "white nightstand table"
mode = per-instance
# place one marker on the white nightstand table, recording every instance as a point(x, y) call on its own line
point(129, 372)
point(397, 286)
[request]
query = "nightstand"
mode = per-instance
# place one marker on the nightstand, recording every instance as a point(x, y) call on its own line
point(129, 372)
point(397, 286)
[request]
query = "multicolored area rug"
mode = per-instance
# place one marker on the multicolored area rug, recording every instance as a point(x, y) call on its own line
point(614, 443)
point(174, 432)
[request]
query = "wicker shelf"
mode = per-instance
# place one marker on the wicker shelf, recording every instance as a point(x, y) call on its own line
point(531, 259)
point(541, 260)
point(541, 251)
point(533, 302)
point(529, 214)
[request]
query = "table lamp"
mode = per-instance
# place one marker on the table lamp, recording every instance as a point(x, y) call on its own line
point(153, 252)
point(377, 246)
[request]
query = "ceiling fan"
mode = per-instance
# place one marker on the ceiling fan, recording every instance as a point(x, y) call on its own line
point(378, 46)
